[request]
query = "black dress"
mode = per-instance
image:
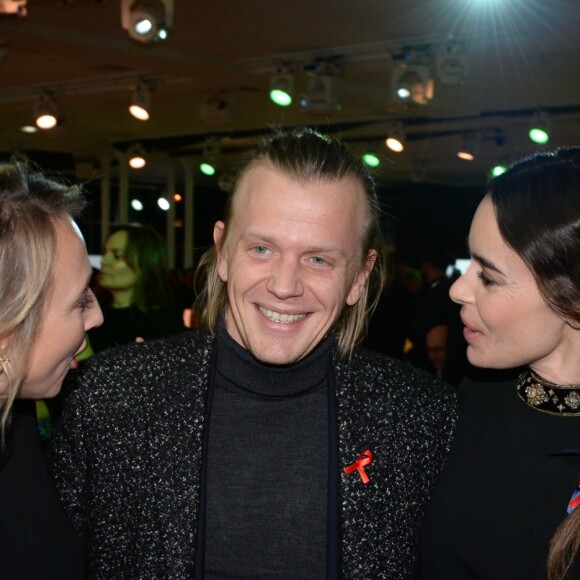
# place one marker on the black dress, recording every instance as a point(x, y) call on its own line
point(504, 491)
point(36, 538)
point(124, 325)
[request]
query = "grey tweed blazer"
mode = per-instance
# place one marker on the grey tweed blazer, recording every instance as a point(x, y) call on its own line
point(126, 455)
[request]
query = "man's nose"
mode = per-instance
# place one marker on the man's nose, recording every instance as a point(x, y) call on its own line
point(285, 279)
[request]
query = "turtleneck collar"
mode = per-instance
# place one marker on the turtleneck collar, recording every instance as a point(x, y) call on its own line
point(240, 368)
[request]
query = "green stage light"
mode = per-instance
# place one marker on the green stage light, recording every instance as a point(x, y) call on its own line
point(207, 168)
point(371, 160)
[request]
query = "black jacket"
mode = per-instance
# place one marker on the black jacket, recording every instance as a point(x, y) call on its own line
point(127, 457)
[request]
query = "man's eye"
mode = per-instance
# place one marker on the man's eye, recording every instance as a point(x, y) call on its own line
point(260, 249)
point(319, 261)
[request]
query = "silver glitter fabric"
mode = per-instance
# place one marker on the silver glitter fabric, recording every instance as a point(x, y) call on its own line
point(127, 457)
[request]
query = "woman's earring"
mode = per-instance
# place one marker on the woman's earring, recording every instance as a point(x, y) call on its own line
point(4, 362)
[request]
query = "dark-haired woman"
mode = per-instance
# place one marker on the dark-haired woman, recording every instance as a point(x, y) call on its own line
point(138, 300)
point(505, 504)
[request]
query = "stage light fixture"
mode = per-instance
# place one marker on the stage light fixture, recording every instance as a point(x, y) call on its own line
point(147, 20)
point(412, 84)
point(137, 204)
point(539, 130)
point(141, 103)
point(46, 112)
point(396, 138)
point(451, 64)
point(218, 110)
point(163, 204)
point(498, 170)
point(207, 168)
point(29, 129)
point(282, 87)
point(136, 156)
point(468, 148)
point(371, 159)
point(321, 94)
point(211, 151)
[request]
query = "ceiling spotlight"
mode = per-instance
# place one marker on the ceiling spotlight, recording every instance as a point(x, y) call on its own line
point(321, 96)
point(396, 138)
point(500, 167)
point(412, 84)
point(451, 64)
point(46, 112)
point(147, 20)
point(468, 147)
point(211, 151)
point(371, 159)
point(29, 129)
point(219, 109)
point(282, 87)
point(498, 170)
point(137, 204)
point(141, 103)
point(207, 168)
point(136, 155)
point(539, 131)
point(163, 204)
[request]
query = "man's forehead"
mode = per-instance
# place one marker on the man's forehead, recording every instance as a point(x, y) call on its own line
point(250, 185)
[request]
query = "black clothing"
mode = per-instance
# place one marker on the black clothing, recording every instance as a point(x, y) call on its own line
point(124, 325)
point(504, 490)
point(127, 454)
point(266, 495)
point(36, 538)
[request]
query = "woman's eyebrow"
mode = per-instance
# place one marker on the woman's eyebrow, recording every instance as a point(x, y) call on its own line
point(486, 263)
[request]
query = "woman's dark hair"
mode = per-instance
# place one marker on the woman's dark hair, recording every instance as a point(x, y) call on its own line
point(537, 206)
point(146, 253)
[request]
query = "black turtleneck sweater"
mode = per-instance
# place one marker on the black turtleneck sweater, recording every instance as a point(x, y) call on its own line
point(267, 466)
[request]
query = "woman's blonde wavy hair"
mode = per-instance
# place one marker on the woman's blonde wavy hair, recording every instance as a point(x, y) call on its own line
point(306, 156)
point(29, 206)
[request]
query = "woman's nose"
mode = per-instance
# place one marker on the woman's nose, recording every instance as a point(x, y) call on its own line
point(460, 290)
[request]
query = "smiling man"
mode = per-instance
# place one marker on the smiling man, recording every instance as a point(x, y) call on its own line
point(265, 445)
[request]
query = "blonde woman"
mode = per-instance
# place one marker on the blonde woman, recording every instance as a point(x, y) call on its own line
point(46, 306)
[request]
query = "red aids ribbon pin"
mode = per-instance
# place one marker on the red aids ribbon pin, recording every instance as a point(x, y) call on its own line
point(365, 458)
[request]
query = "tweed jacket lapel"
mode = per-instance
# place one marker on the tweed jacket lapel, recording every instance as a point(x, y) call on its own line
point(361, 504)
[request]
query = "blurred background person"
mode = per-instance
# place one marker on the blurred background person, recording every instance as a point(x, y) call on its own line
point(46, 306)
point(137, 298)
point(436, 348)
point(513, 474)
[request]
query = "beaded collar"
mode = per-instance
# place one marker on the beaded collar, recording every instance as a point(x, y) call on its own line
point(548, 397)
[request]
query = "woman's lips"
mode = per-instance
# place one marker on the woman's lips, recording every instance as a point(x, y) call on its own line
point(469, 332)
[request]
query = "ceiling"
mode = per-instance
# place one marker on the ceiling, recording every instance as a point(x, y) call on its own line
point(522, 55)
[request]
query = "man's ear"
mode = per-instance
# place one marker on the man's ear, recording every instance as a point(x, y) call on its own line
point(361, 278)
point(219, 231)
